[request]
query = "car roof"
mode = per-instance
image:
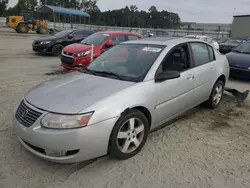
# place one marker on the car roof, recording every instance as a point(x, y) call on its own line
point(197, 36)
point(83, 29)
point(163, 40)
point(119, 32)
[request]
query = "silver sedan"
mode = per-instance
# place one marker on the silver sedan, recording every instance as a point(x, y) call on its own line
point(110, 106)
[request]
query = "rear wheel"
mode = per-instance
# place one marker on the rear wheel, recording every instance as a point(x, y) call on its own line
point(216, 95)
point(22, 28)
point(57, 50)
point(128, 135)
point(42, 30)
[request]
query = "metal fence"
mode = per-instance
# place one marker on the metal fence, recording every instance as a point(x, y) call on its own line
point(219, 36)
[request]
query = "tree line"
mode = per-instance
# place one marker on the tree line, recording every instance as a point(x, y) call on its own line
point(130, 16)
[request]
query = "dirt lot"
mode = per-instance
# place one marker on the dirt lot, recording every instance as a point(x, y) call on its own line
point(205, 148)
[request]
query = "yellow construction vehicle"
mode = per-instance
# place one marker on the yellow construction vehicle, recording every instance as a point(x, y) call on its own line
point(23, 26)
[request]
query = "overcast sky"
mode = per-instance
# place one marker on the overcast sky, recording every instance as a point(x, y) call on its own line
point(216, 11)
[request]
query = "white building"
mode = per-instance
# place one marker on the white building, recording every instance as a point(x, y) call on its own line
point(206, 26)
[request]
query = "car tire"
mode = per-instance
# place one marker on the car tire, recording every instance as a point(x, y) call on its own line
point(43, 30)
point(57, 49)
point(22, 28)
point(128, 135)
point(216, 95)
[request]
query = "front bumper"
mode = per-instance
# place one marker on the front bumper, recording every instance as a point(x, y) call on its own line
point(74, 63)
point(73, 145)
point(40, 48)
point(240, 73)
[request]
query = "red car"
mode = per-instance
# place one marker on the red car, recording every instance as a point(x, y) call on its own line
point(78, 55)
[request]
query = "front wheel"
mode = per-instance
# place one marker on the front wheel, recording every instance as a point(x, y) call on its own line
point(57, 50)
point(128, 135)
point(216, 95)
point(42, 30)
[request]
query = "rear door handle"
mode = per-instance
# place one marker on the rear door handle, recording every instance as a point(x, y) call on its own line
point(190, 77)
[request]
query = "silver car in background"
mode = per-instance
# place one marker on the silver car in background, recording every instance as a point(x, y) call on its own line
point(110, 107)
point(206, 39)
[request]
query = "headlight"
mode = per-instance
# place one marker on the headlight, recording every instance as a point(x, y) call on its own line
point(81, 54)
point(45, 42)
point(58, 121)
point(249, 68)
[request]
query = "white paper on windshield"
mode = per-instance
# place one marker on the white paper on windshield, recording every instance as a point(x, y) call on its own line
point(150, 49)
point(105, 34)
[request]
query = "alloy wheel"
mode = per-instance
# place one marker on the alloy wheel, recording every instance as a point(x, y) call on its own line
point(218, 94)
point(130, 135)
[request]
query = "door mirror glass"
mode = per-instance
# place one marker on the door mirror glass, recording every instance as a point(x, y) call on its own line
point(167, 75)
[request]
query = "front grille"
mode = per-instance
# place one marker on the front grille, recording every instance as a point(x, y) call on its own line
point(67, 60)
point(25, 115)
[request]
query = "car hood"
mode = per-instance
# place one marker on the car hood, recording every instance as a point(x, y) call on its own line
point(74, 92)
point(239, 60)
point(49, 38)
point(76, 47)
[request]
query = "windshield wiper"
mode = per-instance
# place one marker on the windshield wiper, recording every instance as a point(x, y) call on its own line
point(108, 73)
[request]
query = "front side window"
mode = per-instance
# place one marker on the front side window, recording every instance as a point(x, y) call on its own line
point(130, 62)
point(177, 60)
point(95, 39)
point(200, 53)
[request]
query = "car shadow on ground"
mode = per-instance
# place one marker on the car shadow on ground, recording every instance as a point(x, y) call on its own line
point(58, 72)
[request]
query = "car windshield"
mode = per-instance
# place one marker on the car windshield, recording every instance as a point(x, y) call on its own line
point(63, 33)
point(96, 38)
point(130, 62)
point(243, 48)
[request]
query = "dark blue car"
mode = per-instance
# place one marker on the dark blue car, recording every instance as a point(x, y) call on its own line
point(239, 61)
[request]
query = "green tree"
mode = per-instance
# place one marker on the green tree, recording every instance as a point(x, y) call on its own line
point(3, 6)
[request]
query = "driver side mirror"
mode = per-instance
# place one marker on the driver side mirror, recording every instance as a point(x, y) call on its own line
point(167, 75)
point(109, 44)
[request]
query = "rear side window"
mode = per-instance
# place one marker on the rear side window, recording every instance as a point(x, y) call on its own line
point(211, 53)
point(130, 37)
point(118, 39)
point(200, 53)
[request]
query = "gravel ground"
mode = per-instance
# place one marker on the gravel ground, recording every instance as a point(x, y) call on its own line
point(203, 149)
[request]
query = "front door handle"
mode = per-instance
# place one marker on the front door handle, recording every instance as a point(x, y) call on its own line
point(212, 68)
point(190, 77)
